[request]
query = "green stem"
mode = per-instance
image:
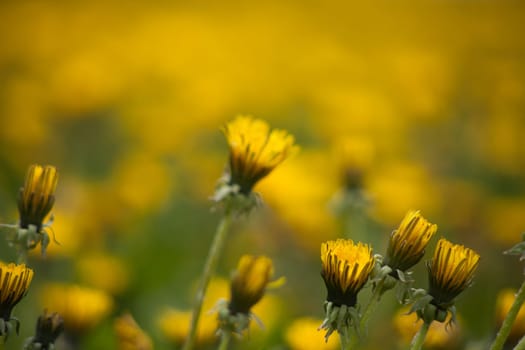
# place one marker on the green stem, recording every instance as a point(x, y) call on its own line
point(370, 307)
point(419, 338)
point(353, 339)
point(363, 323)
point(209, 269)
point(506, 327)
point(225, 341)
point(345, 340)
point(355, 223)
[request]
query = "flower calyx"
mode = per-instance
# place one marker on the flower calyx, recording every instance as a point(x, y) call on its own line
point(340, 318)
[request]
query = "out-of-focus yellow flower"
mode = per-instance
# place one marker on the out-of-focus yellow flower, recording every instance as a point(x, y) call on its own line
point(450, 271)
point(354, 158)
point(70, 231)
point(303, 334)
point(249, 282)
point(82, 308)
point(37, 197)
point(129, 334)
point(504, 219)
point(48, 328)
point(371, 112)
point(248, 285)
point(423, 79)
point(255, 150)
point(309, 184)
point(24, 125)
point(345, 269)
point(504, 302)
point(407, 244)
point(82, 83)
point(439, 336)
point(104, 272)
point(14, 283)
point(500, 139)
point(129, 185)
point(174, 324)
point(408, 183)
point(268, 311)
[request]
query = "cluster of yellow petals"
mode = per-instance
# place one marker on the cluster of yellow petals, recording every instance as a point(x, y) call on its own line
point(174, 324)
point(82, 308)
point(249, 282)
point(129, 335)
point(303, 334)
point(407, 244)
point(451, 270)
point(14, 283)
point(255, 150)
point(37, 195)
point(345, 264)
point(103, 271)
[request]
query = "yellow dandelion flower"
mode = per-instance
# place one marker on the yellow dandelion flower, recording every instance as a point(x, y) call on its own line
point(303, 334)
point(48, 328)
point(255, 150)
point(345, 269)
point(450, 271)
point(504, 302)
point(82, 308)
point(14, 283)
point(248, 285)
point(37, 197)
point(439, 336)
point(354, 157)
point(103, 271)
point(249, 282)
point(174, 324)
point(407, 244)
point(129, 334)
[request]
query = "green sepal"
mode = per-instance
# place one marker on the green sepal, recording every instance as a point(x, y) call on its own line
point(421, 303)
point(234, 323)
point(518, 249)
point(341, 319)
point(231, 198)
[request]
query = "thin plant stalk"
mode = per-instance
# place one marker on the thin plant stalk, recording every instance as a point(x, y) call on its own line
point(209, 268)
point(345, 341)
point(349, 338)
point(419, 338)
point(355, 224)
point(352, 340)
point(370, 307)
point(506, 326)
point(225, 341)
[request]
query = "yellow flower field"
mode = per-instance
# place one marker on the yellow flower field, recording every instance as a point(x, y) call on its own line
point(152, 128)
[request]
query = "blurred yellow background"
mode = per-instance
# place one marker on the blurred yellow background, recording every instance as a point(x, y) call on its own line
point(425, 100)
